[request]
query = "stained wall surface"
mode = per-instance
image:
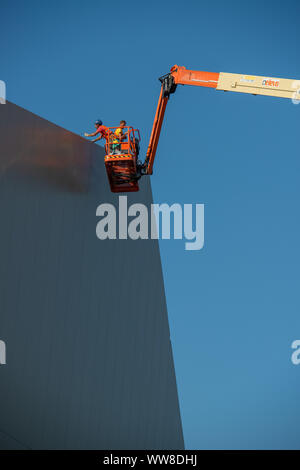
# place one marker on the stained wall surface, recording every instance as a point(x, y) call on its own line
point(89, 358)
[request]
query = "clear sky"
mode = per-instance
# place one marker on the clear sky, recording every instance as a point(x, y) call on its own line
point(234, 307)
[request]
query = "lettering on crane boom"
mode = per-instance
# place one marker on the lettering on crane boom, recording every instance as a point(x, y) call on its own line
point(247, 79)
point(270, 82)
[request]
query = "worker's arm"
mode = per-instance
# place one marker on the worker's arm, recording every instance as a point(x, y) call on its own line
point(97, 132)
point(90, 135)
point(98, 138)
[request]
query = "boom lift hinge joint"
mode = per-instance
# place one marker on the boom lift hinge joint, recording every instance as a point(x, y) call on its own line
point(168, 84)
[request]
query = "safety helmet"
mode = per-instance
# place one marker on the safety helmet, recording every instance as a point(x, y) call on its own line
point(98, 122)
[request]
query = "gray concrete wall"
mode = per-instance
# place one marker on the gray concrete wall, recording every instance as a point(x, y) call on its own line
point(89, 358)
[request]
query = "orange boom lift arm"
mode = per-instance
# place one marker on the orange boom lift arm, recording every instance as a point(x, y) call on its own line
point(253, 84)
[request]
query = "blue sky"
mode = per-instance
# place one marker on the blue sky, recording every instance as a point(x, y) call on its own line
point(233, 306)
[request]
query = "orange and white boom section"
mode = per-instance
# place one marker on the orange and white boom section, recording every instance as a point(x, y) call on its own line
point(253, 84)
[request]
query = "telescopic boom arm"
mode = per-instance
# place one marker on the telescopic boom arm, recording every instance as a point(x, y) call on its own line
point(256, 85)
